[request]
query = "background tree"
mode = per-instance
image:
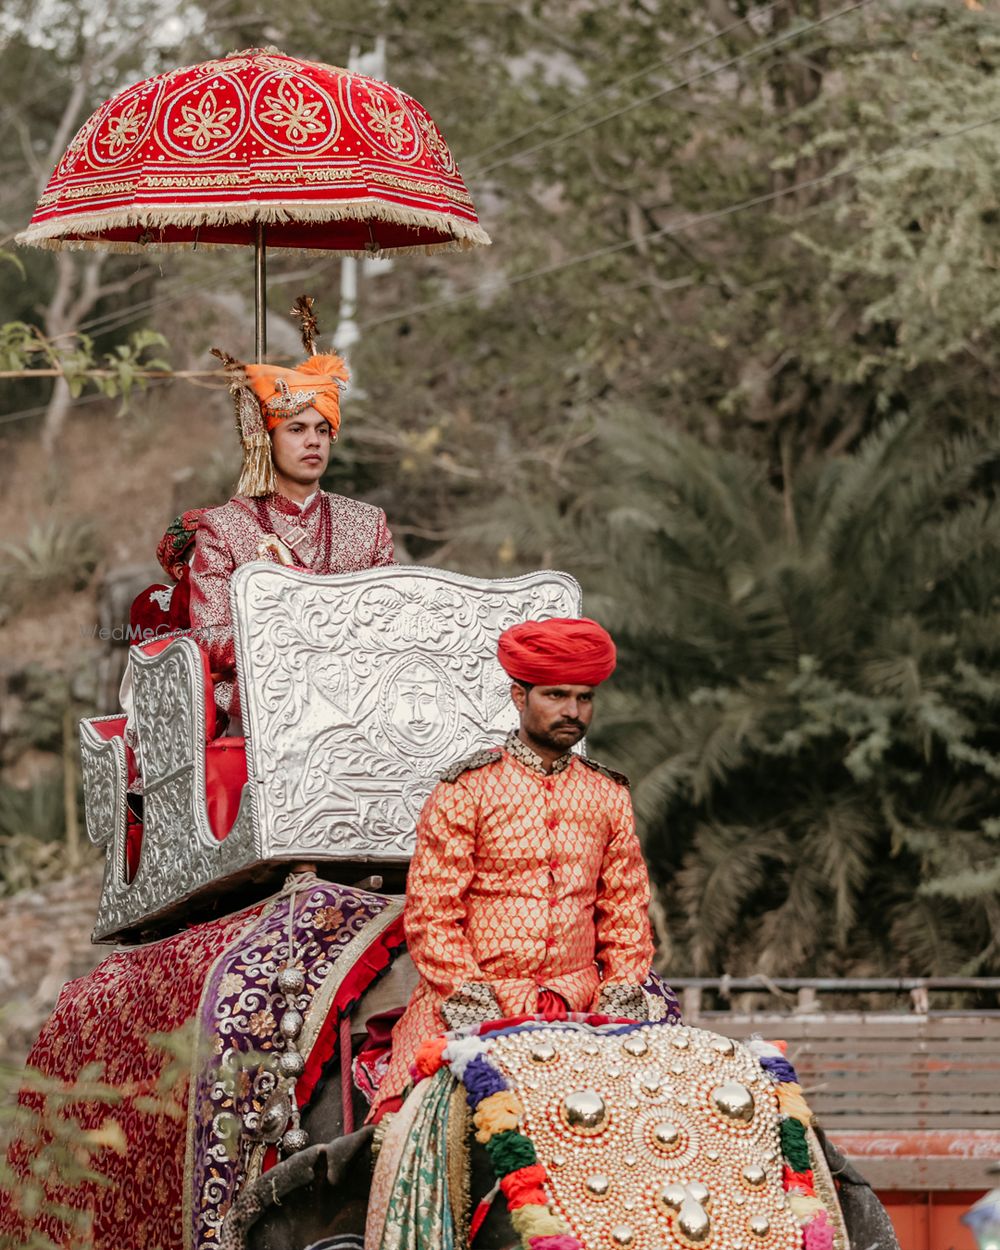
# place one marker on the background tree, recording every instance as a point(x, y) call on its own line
point(731, 360)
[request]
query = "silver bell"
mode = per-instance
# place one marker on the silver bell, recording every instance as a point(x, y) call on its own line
point(294, 1139)
point(291, 980)
point(291, 1024)
point(291, 1063)
point(275, 1116)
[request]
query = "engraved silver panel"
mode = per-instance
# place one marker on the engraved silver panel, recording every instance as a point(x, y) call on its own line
point(180, 856)
point(104, 773)
point(358, 688)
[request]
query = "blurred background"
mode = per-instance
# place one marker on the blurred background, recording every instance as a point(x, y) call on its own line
point(732, 360)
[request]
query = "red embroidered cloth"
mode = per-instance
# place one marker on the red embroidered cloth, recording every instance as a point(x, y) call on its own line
point(329, 159)
point(174, 1182)
point(229, 536)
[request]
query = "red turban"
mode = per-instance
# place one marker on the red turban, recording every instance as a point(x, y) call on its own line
point(556, 652)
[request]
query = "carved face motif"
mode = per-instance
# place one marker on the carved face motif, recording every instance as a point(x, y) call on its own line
point(418, 707)
point(416, 711)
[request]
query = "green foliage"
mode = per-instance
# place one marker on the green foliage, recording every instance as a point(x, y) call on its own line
point(808, 618)
point(32, 825)
point(51, 1125)
point(54, 1126)
point(806, 694)
point(115, 373)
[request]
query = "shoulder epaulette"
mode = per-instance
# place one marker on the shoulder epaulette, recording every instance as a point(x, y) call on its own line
point(620, 778)
point(478, 759)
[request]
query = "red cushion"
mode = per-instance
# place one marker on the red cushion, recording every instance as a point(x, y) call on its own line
point(112, 727)
point(225, 777)
point(133, 846)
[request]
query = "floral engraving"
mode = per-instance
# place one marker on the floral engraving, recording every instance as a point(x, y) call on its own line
point(347, 740)
point(388, 122)
point(123, 130)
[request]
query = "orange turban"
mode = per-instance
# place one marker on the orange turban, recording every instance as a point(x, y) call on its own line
point(283, 393)
point(561, 650)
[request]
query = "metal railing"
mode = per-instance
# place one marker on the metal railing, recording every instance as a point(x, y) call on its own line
point(802, 995)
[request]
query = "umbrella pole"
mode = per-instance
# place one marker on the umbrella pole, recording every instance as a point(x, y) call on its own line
point(260, 292)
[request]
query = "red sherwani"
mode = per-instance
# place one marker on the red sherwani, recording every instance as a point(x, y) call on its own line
point(526, 881)
point(357, 537)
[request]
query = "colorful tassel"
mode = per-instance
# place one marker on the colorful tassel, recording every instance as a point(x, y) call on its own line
point(510, 1151)
point(798, 1182)
point(817, 1234)
point(428, 1058)
point(460, 1052)
point(524, 1187)
point(792, 1103)
point(804, 1209)
point(794, 1146)
point(536, 1221)
point(499, 1113)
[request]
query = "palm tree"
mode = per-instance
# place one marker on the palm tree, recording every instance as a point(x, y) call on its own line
point(807, 697)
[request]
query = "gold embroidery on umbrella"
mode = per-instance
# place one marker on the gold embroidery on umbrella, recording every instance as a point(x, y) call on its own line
point(434, 143)
point(205, 123)
point(389, 123)
point(123, 130)
point(237, 179)
point(288, 111)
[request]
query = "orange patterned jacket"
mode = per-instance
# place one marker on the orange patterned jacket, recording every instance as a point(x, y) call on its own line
point(525, 881)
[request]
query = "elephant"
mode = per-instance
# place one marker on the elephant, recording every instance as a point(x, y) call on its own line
point(317, 1196)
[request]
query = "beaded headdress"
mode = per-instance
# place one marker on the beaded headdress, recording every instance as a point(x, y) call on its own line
point(266, 395)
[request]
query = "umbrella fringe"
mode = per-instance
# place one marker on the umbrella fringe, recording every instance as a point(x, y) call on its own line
point(50, 234)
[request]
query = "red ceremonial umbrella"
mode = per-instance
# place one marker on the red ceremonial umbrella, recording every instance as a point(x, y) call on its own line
point(258, 148)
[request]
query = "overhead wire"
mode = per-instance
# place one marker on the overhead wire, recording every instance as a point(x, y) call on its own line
point(117, 318)
point(24, 413)
point(611, 249)
point(470, 162)
point(688, 223)
point(733, 61)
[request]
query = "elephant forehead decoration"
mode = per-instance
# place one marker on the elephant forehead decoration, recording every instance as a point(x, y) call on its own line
point(666, 1139)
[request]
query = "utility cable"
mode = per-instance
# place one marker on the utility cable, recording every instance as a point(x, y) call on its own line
point(667, 231)
point(767, 46)
point(617, 84)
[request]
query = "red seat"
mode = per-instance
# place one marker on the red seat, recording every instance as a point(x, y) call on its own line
point(225, 777)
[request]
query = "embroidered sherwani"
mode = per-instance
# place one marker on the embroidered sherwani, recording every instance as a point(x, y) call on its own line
point(525, 881)
point(357, 537)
